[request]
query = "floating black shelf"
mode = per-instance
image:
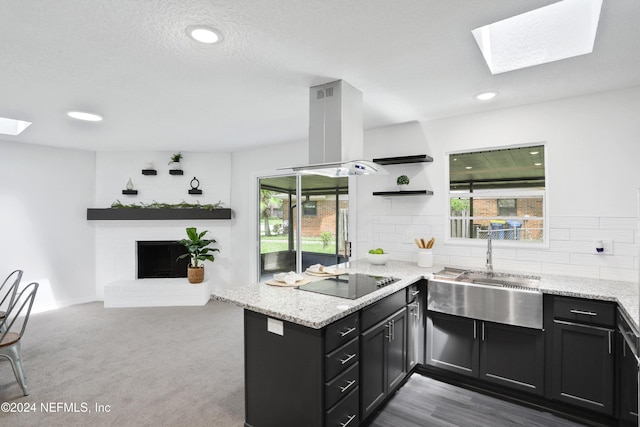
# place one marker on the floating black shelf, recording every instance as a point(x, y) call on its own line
point(176, 172)
point(156, 214)
point(194, 191)
point(149, 172)
point(131, 192)
point(404, 193)
point(418, 158)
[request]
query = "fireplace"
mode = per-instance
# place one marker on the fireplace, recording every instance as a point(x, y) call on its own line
point(157, 259)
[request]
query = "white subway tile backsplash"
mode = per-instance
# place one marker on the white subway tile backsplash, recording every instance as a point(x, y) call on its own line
point(571, 270)
point(626, 236)
point(574, 222)
point(602, 260)
point(570, 250)
point(394, 219)
point(560, 233)
point(618, 223)
point(624, 274)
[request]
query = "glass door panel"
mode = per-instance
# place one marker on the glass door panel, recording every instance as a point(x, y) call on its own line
point(323, 228)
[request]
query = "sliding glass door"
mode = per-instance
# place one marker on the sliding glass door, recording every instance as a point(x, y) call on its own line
point(303, 220)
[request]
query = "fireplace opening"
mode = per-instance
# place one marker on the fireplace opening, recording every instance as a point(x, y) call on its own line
point(157, 259)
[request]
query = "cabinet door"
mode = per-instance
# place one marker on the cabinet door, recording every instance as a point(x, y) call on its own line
point(372, 367)
point(397, 351)
point(452, 343)
point(512, 356)
point(582, 366)
point(628, 385)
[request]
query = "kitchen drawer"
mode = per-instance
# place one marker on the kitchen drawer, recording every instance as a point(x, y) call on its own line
point(340, 359)
point(382, 309)
point(342, 385)
point(585, 311)
point(346, 413)
point(341, 331)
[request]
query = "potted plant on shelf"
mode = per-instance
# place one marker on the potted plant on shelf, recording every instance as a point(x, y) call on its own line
point(197, 250)
point(403, 182)
point(174, 164)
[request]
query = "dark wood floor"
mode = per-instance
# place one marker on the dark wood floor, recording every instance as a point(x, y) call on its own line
point(423, 401)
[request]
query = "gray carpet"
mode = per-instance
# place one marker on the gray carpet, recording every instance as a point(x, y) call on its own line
point(173, 366)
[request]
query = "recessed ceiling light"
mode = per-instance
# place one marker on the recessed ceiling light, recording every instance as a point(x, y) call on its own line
point(205, 35)
point(87, 117)
point(561, 30)
point(485, 96)
point(12, 127)
point(468, 167)
point(537, 164)
point(533, 153)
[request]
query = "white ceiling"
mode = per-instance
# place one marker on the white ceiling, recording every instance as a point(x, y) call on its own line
point(132, 62)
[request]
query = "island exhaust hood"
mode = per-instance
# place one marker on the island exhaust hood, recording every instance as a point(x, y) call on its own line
point(335, 132)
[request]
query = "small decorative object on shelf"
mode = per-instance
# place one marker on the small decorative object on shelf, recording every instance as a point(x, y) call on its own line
point(194, 186)
point(149, 170)
point(130, 189)
point(403, 182)
point(175, 168)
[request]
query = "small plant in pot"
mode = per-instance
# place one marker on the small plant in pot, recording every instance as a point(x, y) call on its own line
point(175, 161)
point(403, 182)
point(197, 250)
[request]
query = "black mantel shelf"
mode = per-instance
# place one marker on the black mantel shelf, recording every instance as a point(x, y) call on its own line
point(155, 214)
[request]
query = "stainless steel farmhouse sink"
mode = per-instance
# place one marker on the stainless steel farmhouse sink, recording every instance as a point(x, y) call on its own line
point(500, 298)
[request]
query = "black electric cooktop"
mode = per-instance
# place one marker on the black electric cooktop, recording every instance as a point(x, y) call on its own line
point(351, 286)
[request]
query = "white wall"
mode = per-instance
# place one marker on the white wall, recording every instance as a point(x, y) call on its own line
point(592, 180)
point(44, 195)
point(246, 166)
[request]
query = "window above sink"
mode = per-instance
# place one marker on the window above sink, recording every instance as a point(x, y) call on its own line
point(499, 191)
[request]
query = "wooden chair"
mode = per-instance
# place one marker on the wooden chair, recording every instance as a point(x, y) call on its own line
point(14, 325)
point(8, 292)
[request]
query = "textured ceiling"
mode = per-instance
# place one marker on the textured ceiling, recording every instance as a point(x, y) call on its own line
point(132, 62)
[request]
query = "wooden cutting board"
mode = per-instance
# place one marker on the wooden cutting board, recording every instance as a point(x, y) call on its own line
point(274, 282)
point(323, 274)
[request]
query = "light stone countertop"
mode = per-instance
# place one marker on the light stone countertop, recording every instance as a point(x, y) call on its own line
point(317, 310)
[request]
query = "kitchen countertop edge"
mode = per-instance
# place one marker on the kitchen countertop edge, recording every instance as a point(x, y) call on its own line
point(316, 310)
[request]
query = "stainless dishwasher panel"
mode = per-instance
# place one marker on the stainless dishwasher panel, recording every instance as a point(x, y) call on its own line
point(518, 307)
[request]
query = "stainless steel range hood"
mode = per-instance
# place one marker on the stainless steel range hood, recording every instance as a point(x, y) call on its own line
point(335, 132)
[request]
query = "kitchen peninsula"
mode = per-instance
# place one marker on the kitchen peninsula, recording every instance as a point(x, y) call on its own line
point(320, 360)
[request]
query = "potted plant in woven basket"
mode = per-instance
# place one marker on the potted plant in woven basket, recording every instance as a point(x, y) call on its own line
point(197, 250)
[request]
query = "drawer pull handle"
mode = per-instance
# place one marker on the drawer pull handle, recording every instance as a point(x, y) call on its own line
point(348, 386)
point(414, 293)
point(347, 332)
point(349, 357)
point(586, 313)
point(348, 421)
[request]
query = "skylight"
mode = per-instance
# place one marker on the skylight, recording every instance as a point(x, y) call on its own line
point(12, 127)
point(558, 31)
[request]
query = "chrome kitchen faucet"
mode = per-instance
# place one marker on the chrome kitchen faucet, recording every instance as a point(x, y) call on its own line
point(489, 253)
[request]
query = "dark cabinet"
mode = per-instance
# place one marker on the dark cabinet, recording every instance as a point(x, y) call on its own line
point(383, 360)
point(295, 375)
point(582, 357)
point(451, 343)
point(512, 356)
point(627, 385)
point(627, 351)
point(416, 323)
